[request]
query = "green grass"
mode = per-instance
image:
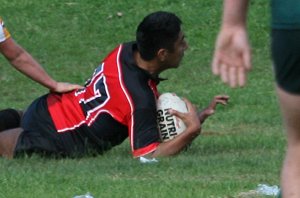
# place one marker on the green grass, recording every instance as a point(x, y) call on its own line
point(242, 145)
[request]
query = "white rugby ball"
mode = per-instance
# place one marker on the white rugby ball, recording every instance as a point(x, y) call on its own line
point(170, 126)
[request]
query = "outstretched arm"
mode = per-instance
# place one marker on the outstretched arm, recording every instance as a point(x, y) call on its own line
point(193, 129)
point(25, 63)
point(193, 121)
point(232, 56)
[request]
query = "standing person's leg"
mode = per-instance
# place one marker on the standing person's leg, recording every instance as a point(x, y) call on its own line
point(8, 141)
point(286, 57)
point(290, 176)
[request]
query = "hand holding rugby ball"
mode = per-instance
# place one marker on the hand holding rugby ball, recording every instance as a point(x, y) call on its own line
point(169, 125)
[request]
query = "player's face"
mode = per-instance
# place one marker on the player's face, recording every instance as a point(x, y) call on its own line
point(177, 54)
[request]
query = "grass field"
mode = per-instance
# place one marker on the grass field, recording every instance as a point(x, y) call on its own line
point(242, 145)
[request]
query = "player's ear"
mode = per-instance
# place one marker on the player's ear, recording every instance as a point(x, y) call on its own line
point(162, 54)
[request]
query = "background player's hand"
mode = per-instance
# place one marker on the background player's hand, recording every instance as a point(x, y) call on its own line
point(232, 56)
point(62, 87)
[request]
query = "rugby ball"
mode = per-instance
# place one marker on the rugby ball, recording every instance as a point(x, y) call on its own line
point(169, 125)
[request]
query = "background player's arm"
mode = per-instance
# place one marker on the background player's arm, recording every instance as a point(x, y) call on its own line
point(232, 56)
point(193, 129)
point(23, 61)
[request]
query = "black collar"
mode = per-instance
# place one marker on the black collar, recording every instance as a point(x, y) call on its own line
point(154, 77)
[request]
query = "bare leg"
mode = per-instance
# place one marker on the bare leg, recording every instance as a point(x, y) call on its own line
point(8, 141)
point(290, 176)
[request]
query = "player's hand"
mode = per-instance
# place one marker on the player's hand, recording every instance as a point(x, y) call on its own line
point(190, 118)
point(62, 87)
point(220, 99)
point(210, 110)
point(232, 56)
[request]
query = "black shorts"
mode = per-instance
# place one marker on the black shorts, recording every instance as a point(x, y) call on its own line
point(286, 57)
point(39, 131)
point(40, 135)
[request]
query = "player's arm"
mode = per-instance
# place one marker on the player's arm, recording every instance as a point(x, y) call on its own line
point(232, 56)
point(210, 110)
point(24, 62)
point(193, 129)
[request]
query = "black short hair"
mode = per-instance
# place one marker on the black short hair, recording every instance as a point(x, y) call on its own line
point(157, 30)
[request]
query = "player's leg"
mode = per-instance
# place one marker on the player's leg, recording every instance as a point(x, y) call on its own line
point(290, 178)
point(8, 141)
point(286, 57)
point(10, 119)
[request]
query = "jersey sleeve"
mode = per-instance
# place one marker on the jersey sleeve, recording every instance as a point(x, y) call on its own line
point(4, 34)
point(145, 136)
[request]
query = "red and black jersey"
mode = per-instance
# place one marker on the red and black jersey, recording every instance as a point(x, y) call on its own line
point(118, 101)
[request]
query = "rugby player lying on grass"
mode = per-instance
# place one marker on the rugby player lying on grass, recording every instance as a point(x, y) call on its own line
point(118, 101)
